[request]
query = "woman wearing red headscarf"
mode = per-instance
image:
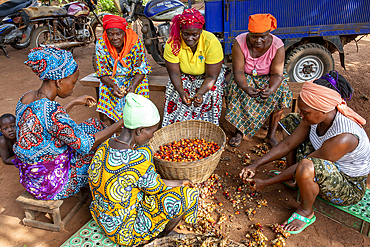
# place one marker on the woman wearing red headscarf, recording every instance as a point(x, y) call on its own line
point(121, 66)
point(259, 85)
point(327, 150)
point(194, 62)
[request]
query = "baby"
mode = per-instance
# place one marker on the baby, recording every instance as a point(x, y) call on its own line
point(8, 138)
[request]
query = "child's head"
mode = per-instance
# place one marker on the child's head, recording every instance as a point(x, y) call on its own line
point(7, 125)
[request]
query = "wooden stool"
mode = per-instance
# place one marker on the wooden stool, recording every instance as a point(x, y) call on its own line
point(32, 206)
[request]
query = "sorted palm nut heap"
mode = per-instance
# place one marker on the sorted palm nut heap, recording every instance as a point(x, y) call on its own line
point(260, 149)
point(206, 241)
point(187, 150)
point(255, 237)
point(281, 235)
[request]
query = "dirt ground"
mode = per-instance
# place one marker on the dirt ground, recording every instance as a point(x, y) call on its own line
point(16, 79)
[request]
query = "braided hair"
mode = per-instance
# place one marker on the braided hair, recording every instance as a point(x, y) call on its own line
point(337, 82)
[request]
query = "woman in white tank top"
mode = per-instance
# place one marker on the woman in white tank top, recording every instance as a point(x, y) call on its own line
point(327, 150)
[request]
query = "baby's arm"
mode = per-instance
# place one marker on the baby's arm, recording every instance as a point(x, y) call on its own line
point(4, 151)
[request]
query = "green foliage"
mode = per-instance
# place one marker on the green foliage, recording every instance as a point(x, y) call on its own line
point(107, 6)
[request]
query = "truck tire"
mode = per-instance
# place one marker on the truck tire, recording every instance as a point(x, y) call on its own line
point(308, 62)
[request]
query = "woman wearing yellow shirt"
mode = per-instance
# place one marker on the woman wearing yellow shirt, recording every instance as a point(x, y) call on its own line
point(194, 63)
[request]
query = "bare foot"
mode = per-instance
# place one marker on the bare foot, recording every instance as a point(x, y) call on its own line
point(236, 140)
point(271, 140)
point(297, 224)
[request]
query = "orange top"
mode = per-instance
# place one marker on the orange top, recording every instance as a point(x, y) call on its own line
point(325, 99)
point(260, 23)
point(129, 41)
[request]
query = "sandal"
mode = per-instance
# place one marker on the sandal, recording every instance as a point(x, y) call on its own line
point(274, 173)
point(296, 216)
point(236, 144)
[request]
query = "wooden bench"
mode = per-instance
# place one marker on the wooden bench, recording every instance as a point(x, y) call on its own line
point(296, 88)
point(158, 83)
point(32, 206)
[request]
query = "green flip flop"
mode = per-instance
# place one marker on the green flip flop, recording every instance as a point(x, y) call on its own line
point(296, 216)
point(273, 173)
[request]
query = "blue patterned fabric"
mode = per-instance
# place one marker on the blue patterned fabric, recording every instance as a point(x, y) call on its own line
point(45, 130)
point(51, 63)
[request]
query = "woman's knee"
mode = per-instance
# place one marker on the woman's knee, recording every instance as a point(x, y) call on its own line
point(305, 169)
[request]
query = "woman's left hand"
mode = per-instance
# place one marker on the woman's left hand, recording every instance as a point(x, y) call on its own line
point(266, 92)
point(85, 100)
point(198, 100)
point(130, 89)
point(187, 183)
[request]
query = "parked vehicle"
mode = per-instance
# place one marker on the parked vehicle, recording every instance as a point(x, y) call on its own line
point(159, 11)
point(311, 29)
point(14, 26)
point(65, 27)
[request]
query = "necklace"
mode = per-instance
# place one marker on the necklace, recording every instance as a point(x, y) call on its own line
point(254, 71)
point(118, 140)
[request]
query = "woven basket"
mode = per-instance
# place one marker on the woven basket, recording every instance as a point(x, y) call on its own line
point(170, 241)
point(197, 171)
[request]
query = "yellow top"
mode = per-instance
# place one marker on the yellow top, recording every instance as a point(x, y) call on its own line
point(209, 51)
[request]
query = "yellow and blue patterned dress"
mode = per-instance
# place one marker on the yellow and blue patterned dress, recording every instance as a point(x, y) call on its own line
point(136, 62)
point(131, 203)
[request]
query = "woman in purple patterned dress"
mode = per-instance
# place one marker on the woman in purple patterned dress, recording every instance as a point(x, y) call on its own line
point(52, 151)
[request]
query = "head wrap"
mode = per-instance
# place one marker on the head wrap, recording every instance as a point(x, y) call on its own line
point(139, 112)
point(51, 63)
point(130, 39)
point(260, 23)
point(114, 21)
point(324, 99)
point(190, 18)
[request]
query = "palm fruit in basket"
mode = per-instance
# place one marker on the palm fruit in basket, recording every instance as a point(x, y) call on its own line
point(187, 150)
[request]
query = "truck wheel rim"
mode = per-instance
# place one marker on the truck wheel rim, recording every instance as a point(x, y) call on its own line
point(308, 68)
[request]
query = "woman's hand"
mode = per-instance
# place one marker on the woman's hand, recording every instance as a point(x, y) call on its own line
point(198, 100)
point(130, 89)
point(253, 92)
point(117, 92)
point(256, 184)
point(266, 92)
point(85, 100)
point(187, 183)
point(248, 172)
point(185, 98)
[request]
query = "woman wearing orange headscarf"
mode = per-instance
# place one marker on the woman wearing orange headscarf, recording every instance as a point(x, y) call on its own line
point(121, 66)
point(327, 150)
point(259, 85)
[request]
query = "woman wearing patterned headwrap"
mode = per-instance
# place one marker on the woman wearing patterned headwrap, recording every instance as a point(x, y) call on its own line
point(259, 85)
point(327, 150)
point(131, 202)
point(52, 151)
point(121, 66)
point(194, 62)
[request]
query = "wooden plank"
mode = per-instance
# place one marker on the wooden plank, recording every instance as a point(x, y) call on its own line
point(156, 83)
point(296, 88)
point(28, 199)
point(41, 225)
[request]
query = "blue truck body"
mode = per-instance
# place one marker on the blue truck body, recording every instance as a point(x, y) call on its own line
point(330, 23)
